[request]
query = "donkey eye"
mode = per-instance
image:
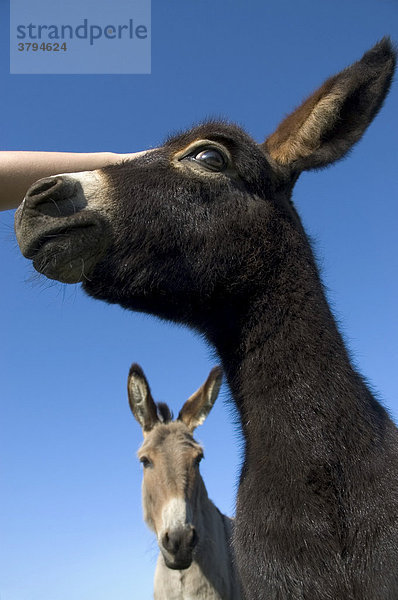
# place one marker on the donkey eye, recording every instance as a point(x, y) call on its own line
point(212, 158)
point(145, 462)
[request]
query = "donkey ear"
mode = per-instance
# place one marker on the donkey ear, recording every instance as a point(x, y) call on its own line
point(140, 399)
point(198, 406)
point(334, 118)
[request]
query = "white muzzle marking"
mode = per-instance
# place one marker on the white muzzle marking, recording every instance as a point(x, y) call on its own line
point(176, 513)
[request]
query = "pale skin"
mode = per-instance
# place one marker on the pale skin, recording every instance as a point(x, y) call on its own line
point(19, 169)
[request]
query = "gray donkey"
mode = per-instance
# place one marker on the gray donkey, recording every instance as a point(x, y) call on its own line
point(195, 560)
point(203, 231)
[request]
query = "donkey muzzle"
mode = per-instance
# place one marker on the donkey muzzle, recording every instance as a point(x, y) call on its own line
point(177, 547)
point(57, 228)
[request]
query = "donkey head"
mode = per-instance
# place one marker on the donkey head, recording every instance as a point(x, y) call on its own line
point(193, 229)
point(172, 485)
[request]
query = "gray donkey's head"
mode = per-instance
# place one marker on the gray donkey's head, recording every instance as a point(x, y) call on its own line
point(172, 487)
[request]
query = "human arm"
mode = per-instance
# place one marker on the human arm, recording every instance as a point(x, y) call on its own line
point(19, 169)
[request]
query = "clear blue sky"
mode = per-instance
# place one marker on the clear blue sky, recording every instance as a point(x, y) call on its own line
point(71, 520)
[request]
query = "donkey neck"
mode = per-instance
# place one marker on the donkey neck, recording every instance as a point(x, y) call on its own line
point(212, 527)
point(285, 360)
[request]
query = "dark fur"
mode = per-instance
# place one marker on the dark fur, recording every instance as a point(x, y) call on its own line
point(164, 413)
point(317, 511)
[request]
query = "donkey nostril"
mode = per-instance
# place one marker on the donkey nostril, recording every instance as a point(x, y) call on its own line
point(55, 197)
point(41, 186)
point(171, 542)
point(194, 538)
point(175, 541)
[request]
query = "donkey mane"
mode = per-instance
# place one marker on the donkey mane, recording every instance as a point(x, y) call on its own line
point(164, 413)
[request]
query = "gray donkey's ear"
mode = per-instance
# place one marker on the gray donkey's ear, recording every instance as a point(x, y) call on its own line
point(334, 118)
point(141, 402)
point(198, 406)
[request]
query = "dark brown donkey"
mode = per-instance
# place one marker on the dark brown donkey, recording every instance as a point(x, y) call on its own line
point(202, 231)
